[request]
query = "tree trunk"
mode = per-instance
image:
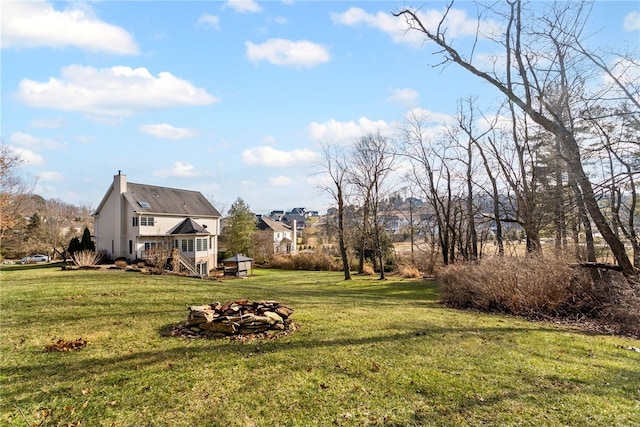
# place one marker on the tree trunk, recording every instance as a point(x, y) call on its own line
point(584, 219)
point(341, 244)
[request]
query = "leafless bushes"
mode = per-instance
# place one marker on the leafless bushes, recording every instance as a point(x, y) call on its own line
point(543, 288)
point(311, 261)
point(85, 258)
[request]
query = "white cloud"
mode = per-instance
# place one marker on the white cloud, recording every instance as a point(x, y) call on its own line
point(167, 131)
point(27, 24)
point(33, 142)
point(625, 71)
point(632, 21)
point(457, 24)
point(210, 20)
point(243, 6)
point(49, 176)
point(117, 91)
point(407, 97)
point(346, 132)
point(288, 53)
point(280, 181)
point(58, 122)
point(180, 170)
point(28, 157)
point(269, 156)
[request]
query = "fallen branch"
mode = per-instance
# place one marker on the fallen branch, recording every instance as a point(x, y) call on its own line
point(597, 265)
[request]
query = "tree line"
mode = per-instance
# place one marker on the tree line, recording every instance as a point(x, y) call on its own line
point(31, 224)
point(559, 154)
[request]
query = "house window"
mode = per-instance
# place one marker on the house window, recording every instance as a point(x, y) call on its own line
point(130, 247)
point(200, 245)
point(147, 221)
point(210, 243)
point(135, 221)
point(175, 244)
point(187, 245)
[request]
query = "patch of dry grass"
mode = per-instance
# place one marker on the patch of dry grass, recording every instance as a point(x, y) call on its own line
point(537, 287)
point(409, 271)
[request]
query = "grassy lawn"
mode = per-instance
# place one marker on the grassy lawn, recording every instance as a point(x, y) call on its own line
point(368, 352)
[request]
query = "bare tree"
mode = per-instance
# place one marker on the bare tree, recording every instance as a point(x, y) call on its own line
point(494, 194)
point(620, 139)
point(527, 88)
point(371, 162)
point(431, 174)
point(13, 190)
point(159, 253)
point(336, 169)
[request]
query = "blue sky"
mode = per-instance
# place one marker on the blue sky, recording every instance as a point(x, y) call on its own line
point(227, 98)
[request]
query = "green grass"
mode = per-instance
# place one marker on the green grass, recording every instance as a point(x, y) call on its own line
point(368, 352)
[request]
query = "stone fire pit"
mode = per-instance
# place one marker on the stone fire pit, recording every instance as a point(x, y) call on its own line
point(236, 318)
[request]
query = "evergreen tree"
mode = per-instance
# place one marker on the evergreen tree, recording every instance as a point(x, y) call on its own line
point(74, 246)
point(86, 244)
point(239, 228)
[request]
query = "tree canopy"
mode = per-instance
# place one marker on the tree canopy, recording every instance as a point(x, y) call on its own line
point(238, 229)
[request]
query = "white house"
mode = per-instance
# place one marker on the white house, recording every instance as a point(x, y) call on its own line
point(133, 219)
point(284, 237)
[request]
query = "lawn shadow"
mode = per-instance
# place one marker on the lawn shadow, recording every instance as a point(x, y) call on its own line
point(36, 266)
point(77, 367)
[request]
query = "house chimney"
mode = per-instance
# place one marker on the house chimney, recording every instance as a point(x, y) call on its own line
point(120, 183)
point(294, 238)
point(119, 221)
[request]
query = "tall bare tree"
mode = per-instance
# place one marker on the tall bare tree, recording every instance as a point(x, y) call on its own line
point(336, 169)
point(371, 163)
point(13, 190)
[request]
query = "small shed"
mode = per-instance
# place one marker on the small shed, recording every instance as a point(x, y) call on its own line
point(237, 265)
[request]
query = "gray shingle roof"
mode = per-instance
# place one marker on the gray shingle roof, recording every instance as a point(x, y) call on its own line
point(189, 226)
point(171, 201)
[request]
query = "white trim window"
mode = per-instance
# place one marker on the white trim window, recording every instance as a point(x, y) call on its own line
point(201, 245)
point(187, 245)
point(148, 221)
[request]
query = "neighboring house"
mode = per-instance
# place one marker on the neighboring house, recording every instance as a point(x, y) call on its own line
point(276, 215)
point(134, 221)
point(283, 235)
point(299, 220)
